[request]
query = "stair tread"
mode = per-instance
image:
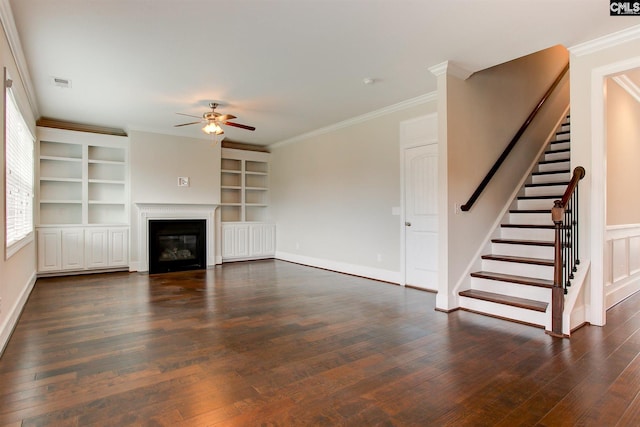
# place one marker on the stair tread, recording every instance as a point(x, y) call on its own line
point(549, 226)
point(540, 197)
point(551, 172)
point(559, 141)
point(560, 150)
point(550, 162)
point(522, 280)
point(524, 242)
point(504, 299)
point(519, 259)
point(563, 132)
point(532, 211)
point(548, 184)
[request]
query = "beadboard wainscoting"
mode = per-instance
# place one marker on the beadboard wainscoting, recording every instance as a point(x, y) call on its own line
point(622, 262)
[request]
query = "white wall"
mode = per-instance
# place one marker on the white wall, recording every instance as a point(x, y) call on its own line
point(18, 273)
point(623, 156)
point(591, 63)
point(480, 117)
point(332, 196)
point(156, 162)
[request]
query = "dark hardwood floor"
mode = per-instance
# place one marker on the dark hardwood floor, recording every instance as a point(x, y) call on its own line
point(272, 343)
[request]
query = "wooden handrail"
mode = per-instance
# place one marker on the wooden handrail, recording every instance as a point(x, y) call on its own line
point(578, 174)
point(467, 206)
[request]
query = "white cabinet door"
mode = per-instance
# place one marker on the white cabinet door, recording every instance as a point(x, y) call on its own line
point(72, 248)
point(49, 250)
point(118, 247)
point(248, 240)
point(97, 247)
point(235, 241)
point(263, 240)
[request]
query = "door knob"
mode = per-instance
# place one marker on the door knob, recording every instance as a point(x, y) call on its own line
point(408, 224)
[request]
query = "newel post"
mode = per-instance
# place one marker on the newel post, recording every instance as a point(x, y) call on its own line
point(557, 296)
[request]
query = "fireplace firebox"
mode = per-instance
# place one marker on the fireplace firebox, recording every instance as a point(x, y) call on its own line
point(177, 245)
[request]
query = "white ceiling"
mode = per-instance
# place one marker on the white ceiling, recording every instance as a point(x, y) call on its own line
point(287, 67)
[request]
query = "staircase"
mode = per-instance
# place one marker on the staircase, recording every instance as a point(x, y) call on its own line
point(517, 276)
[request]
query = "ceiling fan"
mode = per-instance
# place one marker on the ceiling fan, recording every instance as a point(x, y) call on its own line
point(213, 121)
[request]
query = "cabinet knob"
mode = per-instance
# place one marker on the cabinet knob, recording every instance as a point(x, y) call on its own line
point(408, 224)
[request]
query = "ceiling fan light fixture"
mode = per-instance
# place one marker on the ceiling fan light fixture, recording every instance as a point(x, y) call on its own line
point(212, 127)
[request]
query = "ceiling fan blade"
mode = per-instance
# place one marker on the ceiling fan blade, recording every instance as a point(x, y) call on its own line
point(238, 125)
point(190, 115)
point(186, 124)
point(225, 117)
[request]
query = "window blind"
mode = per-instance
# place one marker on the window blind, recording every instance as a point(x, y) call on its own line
point(19, 176)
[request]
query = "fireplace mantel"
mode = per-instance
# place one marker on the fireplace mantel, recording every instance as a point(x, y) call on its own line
point(147, 211)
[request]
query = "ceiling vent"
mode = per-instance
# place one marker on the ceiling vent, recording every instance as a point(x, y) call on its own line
point(60, 82)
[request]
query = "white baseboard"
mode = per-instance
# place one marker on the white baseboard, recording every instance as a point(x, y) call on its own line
point(621, 291)
point(341, 267)
point(14, 314)
point(134, 266)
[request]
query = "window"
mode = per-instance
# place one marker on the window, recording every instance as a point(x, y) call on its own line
point(18, 157)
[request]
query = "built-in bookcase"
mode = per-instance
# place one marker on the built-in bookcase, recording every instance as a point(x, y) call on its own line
point(244, 186)
point(82, 219)
point(244, 193)
point(82, 178)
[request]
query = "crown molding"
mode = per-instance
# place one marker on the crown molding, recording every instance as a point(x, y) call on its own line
point(607, 41)
point(423, 99)
point(627, 84)
point(451, 69)
point(11, 31)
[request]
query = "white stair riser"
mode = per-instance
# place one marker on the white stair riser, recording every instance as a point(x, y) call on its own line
point(537, 203)
point(512, 289)
point(545, 191)
point(517, 269)
point(506, 311)
point(527, 218)
point(560, 145)
point(562, 155)
point(548, 167)
point(529, 251)
point(563, 136)
point(566, 126)
point(554, 177)
point(527, 233)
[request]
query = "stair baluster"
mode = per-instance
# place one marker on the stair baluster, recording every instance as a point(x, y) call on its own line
point(565, 218)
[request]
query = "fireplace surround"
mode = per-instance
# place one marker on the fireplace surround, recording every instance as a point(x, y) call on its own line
point(146, 212)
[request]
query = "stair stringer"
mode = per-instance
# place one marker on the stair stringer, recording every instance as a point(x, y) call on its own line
point(576, 308)
point(464, 282)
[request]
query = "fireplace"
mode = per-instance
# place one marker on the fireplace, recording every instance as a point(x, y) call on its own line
point(177, 245)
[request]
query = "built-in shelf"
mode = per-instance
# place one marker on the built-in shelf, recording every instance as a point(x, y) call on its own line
point(244, 185)
point(82, 178)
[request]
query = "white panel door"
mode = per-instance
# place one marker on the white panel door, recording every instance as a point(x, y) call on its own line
point(421, 216)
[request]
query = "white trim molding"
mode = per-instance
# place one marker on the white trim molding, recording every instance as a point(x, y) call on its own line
point(451, 69)
point(10, 323)
point(628, 85)
point(606, 41)
point(622, 263)
point(10, 29)
point(149, 211)
point(341, 267)
point(419, 100)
